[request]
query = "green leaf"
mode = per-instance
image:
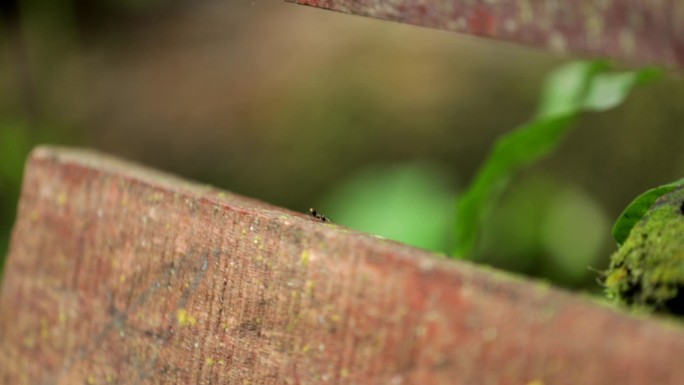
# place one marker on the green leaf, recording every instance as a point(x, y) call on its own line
point(610, 90)
point(568, 91)
point(15, 144)
point(638, 208)
point(512, 152)
point(565, 88)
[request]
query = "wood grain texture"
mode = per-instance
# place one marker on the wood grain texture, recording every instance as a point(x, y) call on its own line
point(122, 275)
point(633, 31)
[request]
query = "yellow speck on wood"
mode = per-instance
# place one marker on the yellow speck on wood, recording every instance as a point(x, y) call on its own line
point(526, 13)
point(557, 42)
point(29, 342)
point(209, 361)
point(594, 27)
point(44, 328)
point(627, 41)
point(90, 380)
point(304, 259)
point(536, 382)
point(184, 318)
point(344, 373)
point(61, 198)
point(155, 197)
point(309, 287)
point(489, 334)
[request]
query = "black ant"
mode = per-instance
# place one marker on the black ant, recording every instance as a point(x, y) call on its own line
point(318, 215)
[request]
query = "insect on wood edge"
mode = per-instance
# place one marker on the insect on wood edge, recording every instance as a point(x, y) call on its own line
point(318, 215)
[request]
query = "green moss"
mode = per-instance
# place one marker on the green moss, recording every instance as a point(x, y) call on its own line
point(648, 270)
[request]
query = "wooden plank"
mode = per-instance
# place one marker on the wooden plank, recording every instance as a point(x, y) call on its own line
point(122, 275)
point(634, 31)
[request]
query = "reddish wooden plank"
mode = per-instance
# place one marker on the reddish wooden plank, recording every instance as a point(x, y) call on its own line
point(634, 31)
point(122, 275)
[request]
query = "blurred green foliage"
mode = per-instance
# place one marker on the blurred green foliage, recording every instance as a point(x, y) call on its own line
point(545, 227)
point(569, 91)
point(14, 146)
point(33, 38)
point(409, 202)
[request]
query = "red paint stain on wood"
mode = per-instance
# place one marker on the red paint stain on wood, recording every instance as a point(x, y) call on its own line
point(482, 22)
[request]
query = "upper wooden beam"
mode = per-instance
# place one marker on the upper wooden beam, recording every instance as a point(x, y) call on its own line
point(121, 275)
point(633, 31)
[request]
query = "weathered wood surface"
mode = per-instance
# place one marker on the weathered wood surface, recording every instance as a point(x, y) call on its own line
point(121, 275)
point(633, 31)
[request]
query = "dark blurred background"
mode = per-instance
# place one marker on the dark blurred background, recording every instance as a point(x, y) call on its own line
point(378, 125)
